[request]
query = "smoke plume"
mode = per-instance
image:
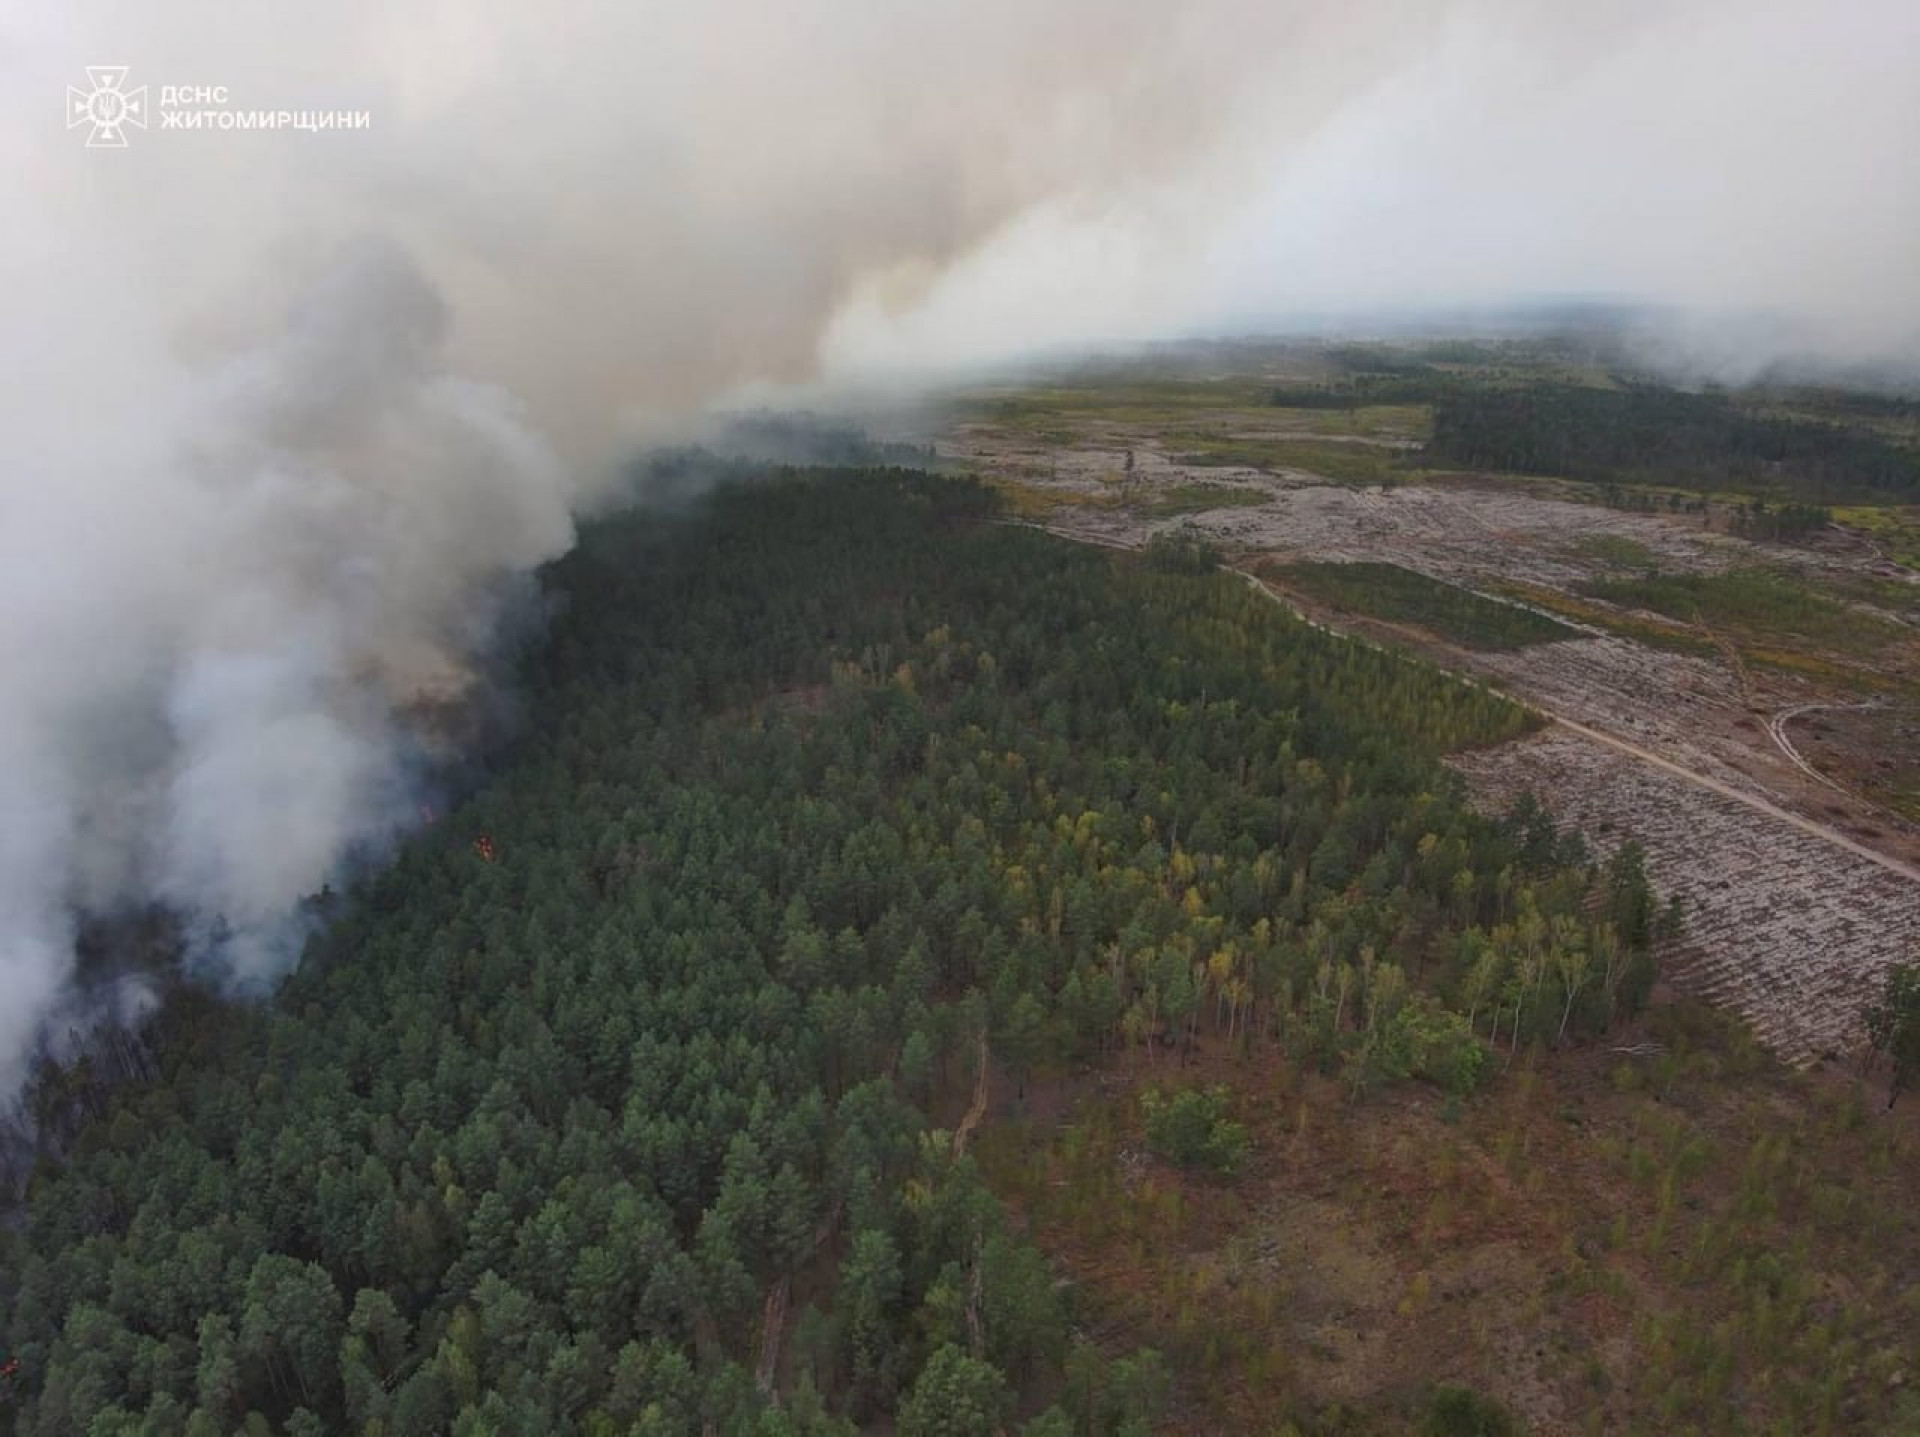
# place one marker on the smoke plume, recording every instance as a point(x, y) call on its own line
point(285, 412)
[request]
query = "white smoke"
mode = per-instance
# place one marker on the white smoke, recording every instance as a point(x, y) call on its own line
point(281, 411)
point(223, 639)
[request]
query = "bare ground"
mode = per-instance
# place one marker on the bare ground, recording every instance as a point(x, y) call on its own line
point(1581, 1241)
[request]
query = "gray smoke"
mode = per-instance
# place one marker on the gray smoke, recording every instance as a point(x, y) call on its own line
point(224, 639)
point(283, 412)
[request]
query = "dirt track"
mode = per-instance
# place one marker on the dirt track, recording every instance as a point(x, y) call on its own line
point(1817, 830)
point(1777, 729)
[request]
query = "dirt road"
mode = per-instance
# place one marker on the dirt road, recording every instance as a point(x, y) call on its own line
point(1751, 800)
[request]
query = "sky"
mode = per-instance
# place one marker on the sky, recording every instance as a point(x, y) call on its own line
point(289, 415)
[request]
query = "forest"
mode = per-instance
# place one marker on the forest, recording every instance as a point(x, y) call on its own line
point(634, 1095)
point(1539, 410)
point(1646, 433)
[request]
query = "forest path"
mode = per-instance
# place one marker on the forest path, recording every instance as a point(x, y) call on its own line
point(978, 1109)
point(1777, 730)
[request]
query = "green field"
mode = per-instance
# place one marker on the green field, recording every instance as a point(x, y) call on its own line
point(1198, 498)
point(1760, 604)
point(1387, 591)
point(1895, 528)
point(1366, 464)
point(1616, 551)
point(1132, 401)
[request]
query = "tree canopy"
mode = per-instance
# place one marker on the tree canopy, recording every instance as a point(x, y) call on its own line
point(629, 1120)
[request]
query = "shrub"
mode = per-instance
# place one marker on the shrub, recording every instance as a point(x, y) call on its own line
point(955, 1396)
point(1462, 1412)
point(1893, 1027)
point(1182, 551)
point(1441, 1047)
point(1192, 1129)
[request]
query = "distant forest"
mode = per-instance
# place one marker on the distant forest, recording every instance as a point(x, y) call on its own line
point(1632, 432)
point(1649, 434)
point(624, 1101)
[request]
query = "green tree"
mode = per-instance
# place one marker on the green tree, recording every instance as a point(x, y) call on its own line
point(291, 1322)
point(1191, 1128)
point(870, 1301)
point(1022, 1039)
point(955, 1396)
point(217, 1377)
point(1462, 1412)
point(1893, 1027)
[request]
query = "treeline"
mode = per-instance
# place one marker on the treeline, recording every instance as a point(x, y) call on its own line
point(1357, 390)
point(612, 1106)
point(1866, 402)
point(1651, 434)
point(1784, 522)
point(799, 438)
point(1756, 519)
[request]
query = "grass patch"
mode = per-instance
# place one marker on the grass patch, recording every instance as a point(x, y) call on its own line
point(1198, 498)
point(1387, 591)
point(1617, 551)
point(1892, 595)
point(1040, 502)
point(1896, 529)
point(1132, 402)
point(1816, 668)
point(1652, 632)
point(1762, 604)
point(1683, 636)
point(1648, 1231)
point(1339, 463)
point(1368, 421)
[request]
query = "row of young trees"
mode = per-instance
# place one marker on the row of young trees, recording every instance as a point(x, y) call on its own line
point(610, 1107)
point(1756, 519)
